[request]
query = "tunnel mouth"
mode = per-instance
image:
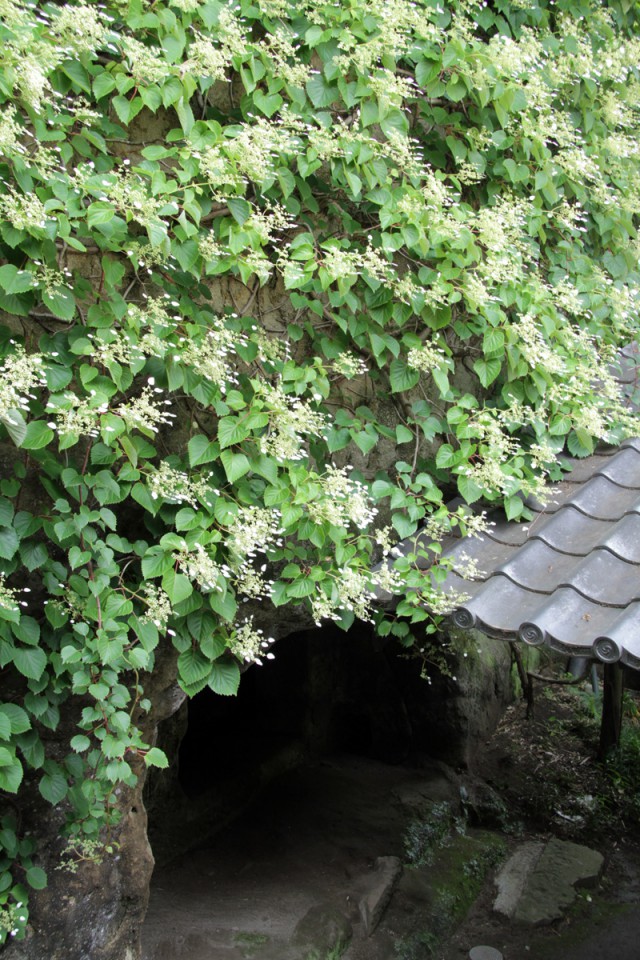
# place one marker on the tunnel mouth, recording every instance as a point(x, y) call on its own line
point(326, 693)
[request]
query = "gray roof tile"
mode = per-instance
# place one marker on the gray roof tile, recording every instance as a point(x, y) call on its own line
point(570, 578)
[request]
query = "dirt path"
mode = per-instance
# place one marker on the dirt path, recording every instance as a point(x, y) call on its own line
point(307, 848)
point(312, 839)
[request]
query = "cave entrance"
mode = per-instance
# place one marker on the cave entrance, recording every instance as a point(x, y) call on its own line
point(326, 692)
point(281, 799)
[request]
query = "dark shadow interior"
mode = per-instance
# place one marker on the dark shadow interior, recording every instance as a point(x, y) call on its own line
point(327, 692)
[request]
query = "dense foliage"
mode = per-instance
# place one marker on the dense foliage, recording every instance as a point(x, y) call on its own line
point(234, 237)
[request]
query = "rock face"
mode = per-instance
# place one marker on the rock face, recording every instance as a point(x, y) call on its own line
point(538, 882)
point(375, 901)
point(96, 911)
point(323, 929)
point(331, 691)
point(458, 711)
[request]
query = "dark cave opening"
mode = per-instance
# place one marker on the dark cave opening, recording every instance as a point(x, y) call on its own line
point(326, 694)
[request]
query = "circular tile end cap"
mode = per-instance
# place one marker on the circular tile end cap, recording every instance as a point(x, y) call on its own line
point(485, 953)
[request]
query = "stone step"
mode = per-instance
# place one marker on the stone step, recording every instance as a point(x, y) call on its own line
point(538, 882)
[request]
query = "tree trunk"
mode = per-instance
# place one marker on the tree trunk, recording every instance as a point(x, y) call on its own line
point(611, 724)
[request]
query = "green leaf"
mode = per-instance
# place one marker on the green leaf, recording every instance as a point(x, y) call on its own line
point(100, 212)
point(240, 210)
point(36, 878)
point(365, 440)
point(53, 787)
point(11, 777)
point(319, 92)
point(403, 434)
point(202, 450)
point(225, 677)
point(15, 425)
point(403, 525)
point(33, 555)
point(469, 489)
point(487, 370)
point(6, 512)
point(301, 588)
point(176, 586)
point(156, 562)
point(156, 758)
point(13, 280)
point(402, 377)
point(28, 630)
point(61, 302)
point(235, 465)
point(37, 435)
point(8, 542)
point(232, 430)
point(30, 661)
point(5, 727)
point(223, 604)
point(80, 743)
point(193, 666)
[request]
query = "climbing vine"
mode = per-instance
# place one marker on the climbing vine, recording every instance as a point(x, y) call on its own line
point(234, 237)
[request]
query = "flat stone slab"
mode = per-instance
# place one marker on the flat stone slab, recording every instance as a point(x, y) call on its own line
point(538, 882)
point(373, 904)
point(323, 929)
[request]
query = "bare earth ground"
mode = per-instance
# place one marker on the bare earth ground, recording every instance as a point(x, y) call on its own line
point(312, 839)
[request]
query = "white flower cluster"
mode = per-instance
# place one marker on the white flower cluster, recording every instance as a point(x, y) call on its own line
point(175, 486)
point(159, 607)
point(146, 412)
point(343, 501)
point(11, 133)
point(80, 29)
point(131, 194)
point(249, 644)
point(210, 249)
point(392, 90)
point(210, 357)
point(10, 917)
point(427, 358)
point(352, 592)
point(205, 59)
point(285, 62)
point(8, 596)
point(146, 65)
point(23, 212)
point(290, 420)
point(251, 583)
point(534, 347)
point(349, 365)
point(255, 530)
point(199, 566)
point(20, 374)
point(75, 416)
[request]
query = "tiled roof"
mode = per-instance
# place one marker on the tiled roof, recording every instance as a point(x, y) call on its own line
point(570, 578)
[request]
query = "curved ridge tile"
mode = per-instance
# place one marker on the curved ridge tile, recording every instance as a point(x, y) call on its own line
point(538, 567)
point(582, 470)
point(498, 606)
point(480, 554)
point(623, 538)
point(570, 531)
point(604, 500)
point(622, 469)
point(621, 637)
point(566, 618)
point(604, 578)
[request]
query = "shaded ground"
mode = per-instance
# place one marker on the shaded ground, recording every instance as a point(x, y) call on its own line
point(311, 841)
